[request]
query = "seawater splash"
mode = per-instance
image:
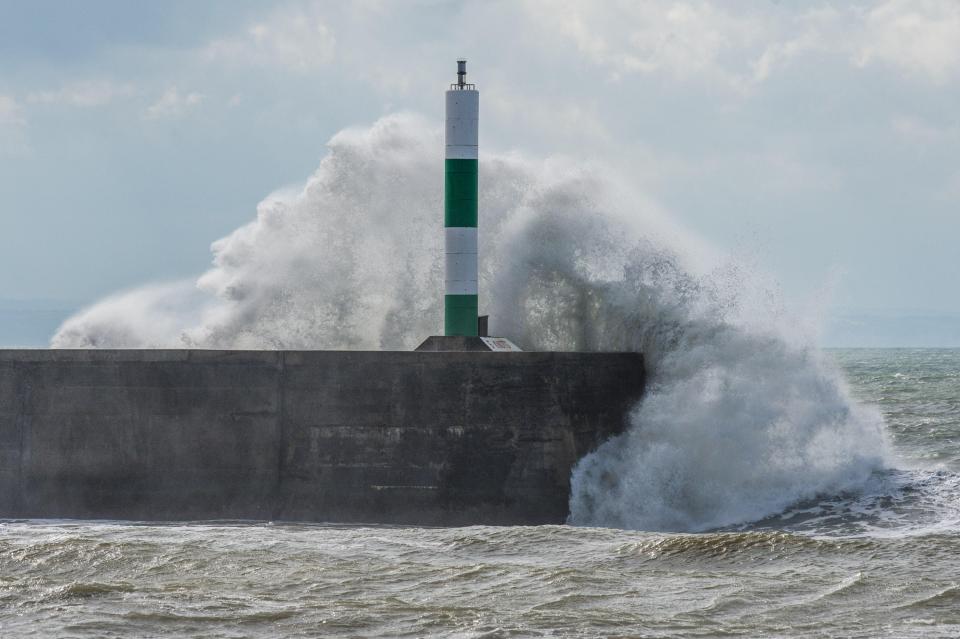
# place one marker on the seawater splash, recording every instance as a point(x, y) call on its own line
point(354, 259)
point(743, 418)
point(734, 429)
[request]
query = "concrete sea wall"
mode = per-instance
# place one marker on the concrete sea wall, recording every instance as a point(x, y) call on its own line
point(381, 437)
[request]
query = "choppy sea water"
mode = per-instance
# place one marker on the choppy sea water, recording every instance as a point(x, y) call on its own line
point(884, 561)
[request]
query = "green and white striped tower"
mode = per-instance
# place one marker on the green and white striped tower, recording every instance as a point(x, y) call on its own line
point(460, 206)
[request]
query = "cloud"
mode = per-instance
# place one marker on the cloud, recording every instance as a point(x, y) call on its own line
point(922, 132)
point(10, 112)
point(920, 37)
point(685, 40)
point(951, 189)
point(295, 40)
point(571, 119)
point(681, 39)
point(817, 30)
point(13, 126)
point(83, 94)
point(173, 104)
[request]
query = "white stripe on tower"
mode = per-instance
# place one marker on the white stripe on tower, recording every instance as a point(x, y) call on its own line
point(461, 275)
point(463, 113)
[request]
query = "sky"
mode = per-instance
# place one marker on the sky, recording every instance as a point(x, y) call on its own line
point(821, 138)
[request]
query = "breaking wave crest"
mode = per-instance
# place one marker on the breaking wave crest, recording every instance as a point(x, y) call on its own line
point(743, 416)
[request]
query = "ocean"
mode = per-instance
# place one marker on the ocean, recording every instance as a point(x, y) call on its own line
point(879, 561)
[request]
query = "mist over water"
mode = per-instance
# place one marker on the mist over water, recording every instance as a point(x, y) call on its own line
point(743, 418)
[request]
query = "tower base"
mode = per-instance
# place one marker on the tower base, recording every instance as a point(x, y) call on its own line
point(467, 343)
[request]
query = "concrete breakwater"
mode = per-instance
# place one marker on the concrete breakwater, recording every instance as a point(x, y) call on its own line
point(430, 438)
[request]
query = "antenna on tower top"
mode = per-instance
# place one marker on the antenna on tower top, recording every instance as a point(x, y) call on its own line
point(461, 73)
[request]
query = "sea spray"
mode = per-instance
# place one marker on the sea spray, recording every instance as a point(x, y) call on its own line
point(354, 259)
point(743, 417)
point(734, 429)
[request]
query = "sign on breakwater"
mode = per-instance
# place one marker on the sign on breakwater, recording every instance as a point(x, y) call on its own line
point(427, 438)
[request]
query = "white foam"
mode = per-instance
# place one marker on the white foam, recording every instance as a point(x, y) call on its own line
point(736, 428)
point(742, 419)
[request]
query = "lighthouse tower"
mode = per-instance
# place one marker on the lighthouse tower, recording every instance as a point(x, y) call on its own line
point(460, 207)
point(461, 325)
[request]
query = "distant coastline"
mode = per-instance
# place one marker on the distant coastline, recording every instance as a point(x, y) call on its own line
point(30, 323)
point(892, 329)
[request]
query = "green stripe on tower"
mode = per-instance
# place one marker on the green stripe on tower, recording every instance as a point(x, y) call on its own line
point(460, 211)
point(460, 204)
point(460, 315)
